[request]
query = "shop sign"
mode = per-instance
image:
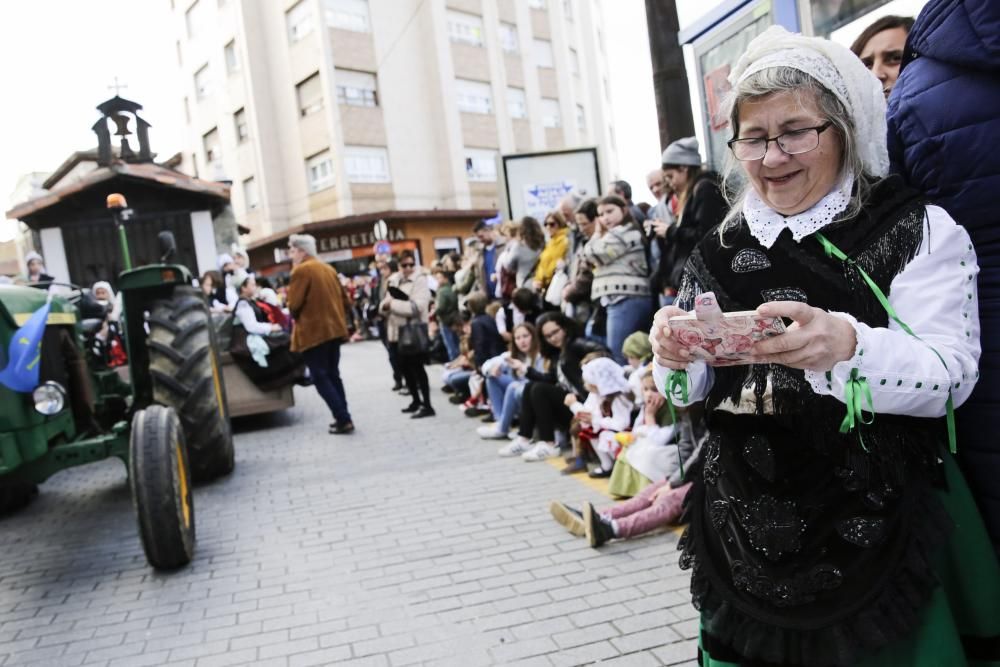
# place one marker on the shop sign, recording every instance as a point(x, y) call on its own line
point(356, 240)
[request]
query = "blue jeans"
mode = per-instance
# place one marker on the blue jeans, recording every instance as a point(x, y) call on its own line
point(458, 380)
point(324, 366)
point(505, 399)
point(450, 339)
point(631, 314)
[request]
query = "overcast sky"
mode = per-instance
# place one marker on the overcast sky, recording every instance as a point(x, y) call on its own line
point(60, 57)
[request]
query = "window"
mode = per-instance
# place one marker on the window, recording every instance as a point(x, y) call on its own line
point(473, 96)
point(517, 103)
point(480, 165)
point(356, 89)
point(232, 58)
point(508, 37)
point(366, 164)
point(574, 62)
point(299, 20)
point(550, 113)
point(581, 117)
point(568, 9)
point(319, 169)
point(180, 58)
point(347, 15)
point(536, 4)
point(543, 53)
point(240, 123)
point(193, 20)
point(310, 94)
point(210, 142)
point(187, 110)
point(202, 82)
point(250, 196)
point(465, 28)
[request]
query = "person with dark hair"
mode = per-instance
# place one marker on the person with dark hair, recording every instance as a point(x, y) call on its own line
point(520, 254)
point(621, 274)
point(944, 128)
point(446, 312)
point(485, 340)
point(576, 294)
point(880, 47)
point(556, 248)
point(412, 281)
point(543, 400)
point(701, 207)
point(487, 272)
point(624, 190)
point(386, 269)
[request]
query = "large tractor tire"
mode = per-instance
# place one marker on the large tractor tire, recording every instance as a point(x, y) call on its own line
point(184, 364)
point(15, 494)
point(161, 487)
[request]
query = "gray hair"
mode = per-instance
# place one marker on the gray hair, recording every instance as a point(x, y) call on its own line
point(304, 242)
point(780, 80)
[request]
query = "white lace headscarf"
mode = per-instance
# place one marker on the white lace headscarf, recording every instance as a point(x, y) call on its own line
point(836, 69)
point(606, 375)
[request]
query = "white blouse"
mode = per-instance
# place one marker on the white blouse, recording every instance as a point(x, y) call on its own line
point(244, 313)
point(935, 295)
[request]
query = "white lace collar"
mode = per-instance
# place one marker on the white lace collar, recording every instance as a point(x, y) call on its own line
point(766, 224)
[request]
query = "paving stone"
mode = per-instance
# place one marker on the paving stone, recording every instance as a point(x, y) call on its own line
point(310, 554)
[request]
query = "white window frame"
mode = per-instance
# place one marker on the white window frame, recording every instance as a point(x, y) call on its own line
point(473, 96)
point(568, 9)
point(319, 171)
point(551, 113)
point(211, 145)
point(581, 117)
point(465, 28)
point(241, 125)
point(366, 164)
point(481, 165)
point(251, 195)
point(544, 56)
point(299, 21)
point(537, 4)
point(194, 20)
point(356, 88)
point(517, 103)
point(232, 57)
point(203, 82)
point(311, 105)
point(352, 15)
point(574, 62)
point(508, 38)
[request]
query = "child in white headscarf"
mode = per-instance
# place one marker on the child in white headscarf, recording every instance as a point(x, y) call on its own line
point(106, 296)
point(607, 411)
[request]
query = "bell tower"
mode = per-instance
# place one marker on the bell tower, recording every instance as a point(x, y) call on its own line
point(122, 116)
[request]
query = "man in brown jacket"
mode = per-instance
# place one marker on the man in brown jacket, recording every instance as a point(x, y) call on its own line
point(318, 303)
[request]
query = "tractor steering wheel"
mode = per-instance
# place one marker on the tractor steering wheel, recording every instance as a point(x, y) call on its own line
point(73, 293)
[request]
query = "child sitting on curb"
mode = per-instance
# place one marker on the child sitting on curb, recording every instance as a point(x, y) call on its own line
point(606, 411)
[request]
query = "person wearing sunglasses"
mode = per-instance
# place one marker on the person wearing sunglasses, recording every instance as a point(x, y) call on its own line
point(555, 250)
point(829, 523)
point(412, 281)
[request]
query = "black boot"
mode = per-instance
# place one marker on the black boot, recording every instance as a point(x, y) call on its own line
point(598, 528)
point(569, 517)
point(424, 411)
point(412, 407)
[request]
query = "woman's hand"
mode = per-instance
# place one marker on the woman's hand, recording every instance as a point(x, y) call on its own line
point(275, 328)
point(570, 400)
point(667, 350)
point(815, 341)
point(516, 365)
point(539, 287)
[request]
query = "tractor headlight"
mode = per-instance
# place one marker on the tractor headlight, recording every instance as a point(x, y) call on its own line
point(50, 398)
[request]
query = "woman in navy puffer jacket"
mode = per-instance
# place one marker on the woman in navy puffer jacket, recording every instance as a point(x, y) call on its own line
point(944, 138)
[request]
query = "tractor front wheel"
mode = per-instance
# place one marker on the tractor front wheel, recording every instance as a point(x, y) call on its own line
point(161, 487)
point(184, 363)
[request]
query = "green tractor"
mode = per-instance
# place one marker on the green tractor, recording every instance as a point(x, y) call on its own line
point(167, 419)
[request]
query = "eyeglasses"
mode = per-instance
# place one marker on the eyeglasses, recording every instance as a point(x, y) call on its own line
point(408, 265)
point(551, 224)
point(551, 334)
point(795, 142)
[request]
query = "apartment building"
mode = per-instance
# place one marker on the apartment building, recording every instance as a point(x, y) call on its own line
point(323, 109)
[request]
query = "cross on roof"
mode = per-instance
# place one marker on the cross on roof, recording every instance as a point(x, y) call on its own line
point(117, 87)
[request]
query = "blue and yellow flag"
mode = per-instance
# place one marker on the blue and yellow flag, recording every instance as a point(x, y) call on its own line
point(25, 353)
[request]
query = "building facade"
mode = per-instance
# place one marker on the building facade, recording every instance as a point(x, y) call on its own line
point(321, 109)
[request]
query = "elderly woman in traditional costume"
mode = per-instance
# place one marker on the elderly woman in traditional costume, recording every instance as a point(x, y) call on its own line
point(818, 538)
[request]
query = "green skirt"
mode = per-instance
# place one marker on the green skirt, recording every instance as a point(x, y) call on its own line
point(961, 623)
point(626, 481)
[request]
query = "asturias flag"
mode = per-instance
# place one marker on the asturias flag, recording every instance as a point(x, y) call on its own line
point(25, 353)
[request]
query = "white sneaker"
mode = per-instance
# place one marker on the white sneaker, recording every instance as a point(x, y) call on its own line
point(490, 433)
point(540, 452)
point(518, 447)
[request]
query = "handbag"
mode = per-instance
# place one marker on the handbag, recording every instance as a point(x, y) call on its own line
point(413, 337)
point(553, 294)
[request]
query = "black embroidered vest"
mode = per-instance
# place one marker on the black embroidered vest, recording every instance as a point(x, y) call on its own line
point(809, 546)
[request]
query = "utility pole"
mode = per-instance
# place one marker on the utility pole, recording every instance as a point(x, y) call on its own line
point(670, 84)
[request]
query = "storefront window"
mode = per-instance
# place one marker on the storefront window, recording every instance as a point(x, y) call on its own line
point(828, 15)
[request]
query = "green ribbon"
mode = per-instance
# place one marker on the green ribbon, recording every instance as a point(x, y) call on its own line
point(677, 385)
point(856, 392)
point(857, 387)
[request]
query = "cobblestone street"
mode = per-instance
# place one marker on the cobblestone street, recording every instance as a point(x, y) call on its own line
point(409, 542)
